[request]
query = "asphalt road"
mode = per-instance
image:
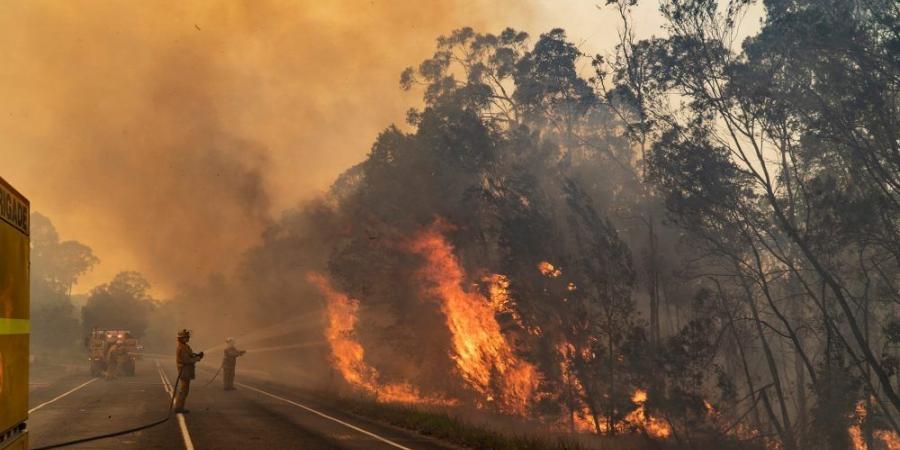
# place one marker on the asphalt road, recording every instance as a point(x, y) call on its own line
point(66, 404)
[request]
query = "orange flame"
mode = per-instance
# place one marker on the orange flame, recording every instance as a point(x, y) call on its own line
point(498, 293)
point(855, 430)
point(549, 270)
point(501, 302)
point(655, 427)
point(584, 420)
point(581, 417)
point(347, 354)
point(482, 355)
point(890, 439)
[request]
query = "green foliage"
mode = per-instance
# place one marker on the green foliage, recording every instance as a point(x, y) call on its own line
point(779, 159)
point(55, 266)
point(124, 304)
point(892, 332)
point(706, 191)
point(506, 151)
point(776, 164)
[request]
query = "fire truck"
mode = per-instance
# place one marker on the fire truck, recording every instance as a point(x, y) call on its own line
point(14, 317)
point(99, 343)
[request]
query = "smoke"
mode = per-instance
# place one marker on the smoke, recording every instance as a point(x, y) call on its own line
point(166, 135)
point(171, 139)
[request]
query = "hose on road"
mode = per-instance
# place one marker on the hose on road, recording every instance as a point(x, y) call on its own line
point(119, 433)
point(214, 376)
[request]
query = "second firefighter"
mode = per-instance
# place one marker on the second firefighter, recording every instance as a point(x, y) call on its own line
point(229, 362)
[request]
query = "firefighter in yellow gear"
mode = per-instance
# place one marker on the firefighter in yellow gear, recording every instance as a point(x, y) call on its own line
point(185, 358)
point(113, 356)
point(229, 361)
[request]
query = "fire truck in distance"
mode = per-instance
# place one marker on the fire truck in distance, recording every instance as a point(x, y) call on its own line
point(99, 343)
point(15, 325)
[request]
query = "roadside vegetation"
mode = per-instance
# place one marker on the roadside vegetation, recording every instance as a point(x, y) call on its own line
point(453, 428)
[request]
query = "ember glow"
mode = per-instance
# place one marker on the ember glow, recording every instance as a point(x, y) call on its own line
point(348, 354)
point(482, 354)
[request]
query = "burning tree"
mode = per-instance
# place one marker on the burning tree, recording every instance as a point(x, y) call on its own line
point(500, 261)
point(512, 235)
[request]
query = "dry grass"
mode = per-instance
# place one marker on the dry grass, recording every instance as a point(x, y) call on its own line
point(459, 431)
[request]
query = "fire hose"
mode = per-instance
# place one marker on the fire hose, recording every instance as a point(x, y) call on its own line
point(127, 431)
point(214, 376)
point(218, 371)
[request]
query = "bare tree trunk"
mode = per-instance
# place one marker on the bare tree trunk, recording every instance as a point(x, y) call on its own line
point(843, 302)
point(570, 397)
point(612, 383)
point(746, 367)
point(867, 423)
point(653, 285)
point(787, 435)
point(802, 406)
point(787, 325)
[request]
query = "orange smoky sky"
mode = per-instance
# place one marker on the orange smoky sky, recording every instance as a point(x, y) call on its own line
point(167, 134)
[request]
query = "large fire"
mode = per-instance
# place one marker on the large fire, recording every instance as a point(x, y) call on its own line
point(348, 354)
point(482, 354)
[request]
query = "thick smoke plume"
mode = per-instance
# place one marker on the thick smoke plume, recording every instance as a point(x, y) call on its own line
point(431, 257)
point(166, 134)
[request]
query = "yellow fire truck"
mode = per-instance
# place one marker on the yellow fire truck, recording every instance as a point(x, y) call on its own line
point(14, 317)
point(98, 344)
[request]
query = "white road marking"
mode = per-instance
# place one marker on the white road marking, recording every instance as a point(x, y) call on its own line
point(61, 396)
point(321, 414)
point(185, 435)
point(184, 432)
point(165, 381)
